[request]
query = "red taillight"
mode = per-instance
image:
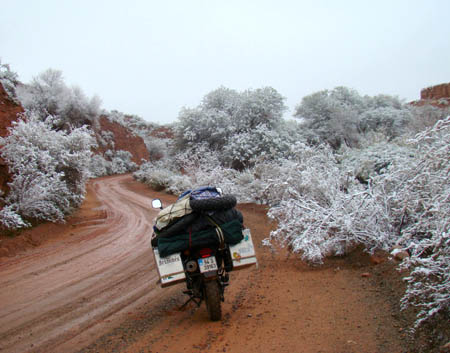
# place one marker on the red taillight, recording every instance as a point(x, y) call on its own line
point(205, 252)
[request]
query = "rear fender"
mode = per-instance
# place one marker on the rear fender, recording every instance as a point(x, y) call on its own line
point(210, 275)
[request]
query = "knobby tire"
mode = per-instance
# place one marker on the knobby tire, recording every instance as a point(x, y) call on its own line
point(224, 202)
point(212, 300)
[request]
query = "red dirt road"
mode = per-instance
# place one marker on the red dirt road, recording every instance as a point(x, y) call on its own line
point(92, 288)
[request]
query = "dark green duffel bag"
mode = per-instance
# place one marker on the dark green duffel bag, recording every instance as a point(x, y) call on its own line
point(232, 234)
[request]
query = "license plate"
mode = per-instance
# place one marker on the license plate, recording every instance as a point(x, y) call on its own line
point(207, 264)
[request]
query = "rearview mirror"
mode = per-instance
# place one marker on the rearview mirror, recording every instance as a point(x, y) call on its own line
point(156, 203)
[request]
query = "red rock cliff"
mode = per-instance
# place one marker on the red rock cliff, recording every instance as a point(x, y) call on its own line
point(436, 92)
point(8, 113)
point(124, 140)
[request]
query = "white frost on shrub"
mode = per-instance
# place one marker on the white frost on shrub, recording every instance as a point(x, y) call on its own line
point(322, 212)
point(159, 177)
point(11, 220)
point(420, 206)
point(375, 159)
point(49, 169)
point(48, 95)
point(120, 162)
point(116, 162)
point(98, 166)
point(9, 80)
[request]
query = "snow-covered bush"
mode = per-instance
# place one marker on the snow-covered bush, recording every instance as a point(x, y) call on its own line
point(197, 126)
point(320, 210)
point(159, 179)
point(229, 117)
point(9, 219)
point(419, 200)
point(49, 170)
point(374, 159)
point(158, 147)
point(259, 144)
point(429, 277)
point(340, 117)
point(179, 183)
point(159, 176)
point(390, 121)
point(111, 163)
point(48, 95)
point(199, 158)
point(42, 196)
point(106, 139)
point(120, 162)
point(98, 166)
point(426, 116)
point(117, 117)
point(200, 167)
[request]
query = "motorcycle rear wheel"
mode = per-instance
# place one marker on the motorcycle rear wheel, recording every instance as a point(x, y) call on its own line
point(212, 300)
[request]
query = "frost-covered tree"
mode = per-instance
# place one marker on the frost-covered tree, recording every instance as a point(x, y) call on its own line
point(227, 117)
point(223, 99)
point(256, 145)
point(262, 106)
point(390, 121)
point(9, 80)
point(49, 170)
point(198, 126)
point(332, 115)
point(341, 116)
point(48, 95)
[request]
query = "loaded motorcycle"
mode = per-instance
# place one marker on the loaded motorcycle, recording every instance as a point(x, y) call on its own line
point(203, 258)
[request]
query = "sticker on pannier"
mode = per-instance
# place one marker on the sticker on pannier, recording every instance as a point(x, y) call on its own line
point(243, 253)
point(170, 268)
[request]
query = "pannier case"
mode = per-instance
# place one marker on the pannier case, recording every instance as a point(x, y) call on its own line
point(171, 271)
point(243, 253)
point(170, 268)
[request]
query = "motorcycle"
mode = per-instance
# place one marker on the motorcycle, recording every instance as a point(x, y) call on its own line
point(204, 269)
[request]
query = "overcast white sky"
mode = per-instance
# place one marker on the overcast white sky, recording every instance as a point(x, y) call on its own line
point(150, 58)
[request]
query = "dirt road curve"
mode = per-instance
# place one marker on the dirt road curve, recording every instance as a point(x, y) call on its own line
point(92, 288)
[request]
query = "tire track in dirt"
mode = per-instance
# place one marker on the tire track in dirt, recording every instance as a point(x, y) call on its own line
point(66, 291)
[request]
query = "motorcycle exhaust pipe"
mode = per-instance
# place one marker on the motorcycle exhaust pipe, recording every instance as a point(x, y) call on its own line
point(191, 266)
